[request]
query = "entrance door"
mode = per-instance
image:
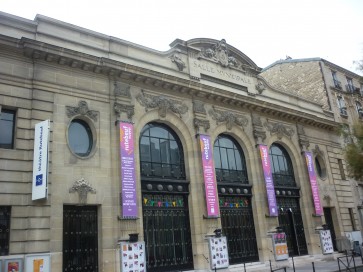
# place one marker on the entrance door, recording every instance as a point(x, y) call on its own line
point(329, 222)
point(290, 220)
point(167, 233)
point(238, 227)
point(80, 239)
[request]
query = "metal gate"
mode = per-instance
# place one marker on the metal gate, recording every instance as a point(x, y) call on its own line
point(239, 228)
point(290, 220)
point(4, 230)
point(330, 225)
point(80, 239)
point(167, 233)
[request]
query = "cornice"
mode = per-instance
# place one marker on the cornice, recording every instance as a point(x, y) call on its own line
point(118, 70)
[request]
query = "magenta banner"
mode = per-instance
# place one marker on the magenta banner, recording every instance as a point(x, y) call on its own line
point(211, 195)
point(270, 189)
point(313, 183)
point(128, 182)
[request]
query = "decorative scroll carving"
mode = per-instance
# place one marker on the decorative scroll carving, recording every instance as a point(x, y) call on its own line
point(83, 188)
point(82, 109)
point(198, 123)
point(228, 117)
point(178, 61)
point(162, 103)
point(260, 86)
point(198, 107)
point(122, 90)
point(128, 109)
point(279, 129)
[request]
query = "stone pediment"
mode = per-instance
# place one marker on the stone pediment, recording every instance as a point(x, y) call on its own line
point(219, 52)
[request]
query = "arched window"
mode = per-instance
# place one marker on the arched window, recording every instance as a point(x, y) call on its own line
point(161, 154)
point(282, 171)
point(229, 160)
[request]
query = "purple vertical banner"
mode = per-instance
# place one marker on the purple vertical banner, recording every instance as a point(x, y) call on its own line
point(270, 189)
point(211, 195)
point(128, 182)
point(313, 183)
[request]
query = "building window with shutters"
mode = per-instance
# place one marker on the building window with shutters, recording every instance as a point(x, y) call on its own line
point(337, 83)
point(358, 106)
point(342, 107)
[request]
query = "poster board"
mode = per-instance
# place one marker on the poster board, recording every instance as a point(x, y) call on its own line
point(218, 252)
point(13, 265)
point(279, 244)
point(132, 257)
point(37, 263)
point(326, 242)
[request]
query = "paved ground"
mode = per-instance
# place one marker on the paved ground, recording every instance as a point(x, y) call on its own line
point(329, 265)
point(307, 264)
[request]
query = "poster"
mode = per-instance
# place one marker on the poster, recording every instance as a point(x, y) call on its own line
point(270, 189)
point(211, 195)
point(218, 252)
point(313, 183)
point(13, 265)
point(37, 263)
point(132, 257)
point(326, 242)
point(280, 246)
point(128, 181)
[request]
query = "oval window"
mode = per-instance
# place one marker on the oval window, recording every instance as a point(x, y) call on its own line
point(80, 138)
point(320, 167)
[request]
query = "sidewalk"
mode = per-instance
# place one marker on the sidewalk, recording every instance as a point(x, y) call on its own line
point(324, 263)
point(328, 266)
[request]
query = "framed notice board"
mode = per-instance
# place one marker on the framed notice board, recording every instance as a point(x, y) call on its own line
point(132, 257)
point(218, 252)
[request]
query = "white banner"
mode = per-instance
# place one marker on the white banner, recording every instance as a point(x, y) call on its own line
point(40, 161)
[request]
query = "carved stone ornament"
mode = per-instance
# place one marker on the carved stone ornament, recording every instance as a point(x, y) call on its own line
point(259, 135)
point(260, 86)
point(304, 144)
point(178, 61)
point(82, 109)
point(198, 123)
point(198, 107)
point(228, 117)
point(317, 151)
point(256, 120)
point(122, 90)
point(279, 129)
point(300, 129)
point(220, 54)
point(162, 103)
point(128, 109)
point(83, 188)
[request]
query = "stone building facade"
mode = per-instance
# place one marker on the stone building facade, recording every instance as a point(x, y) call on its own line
point(97, 91)
point(340, 91)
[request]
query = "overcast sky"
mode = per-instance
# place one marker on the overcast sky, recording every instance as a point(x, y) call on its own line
point(264, 30)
